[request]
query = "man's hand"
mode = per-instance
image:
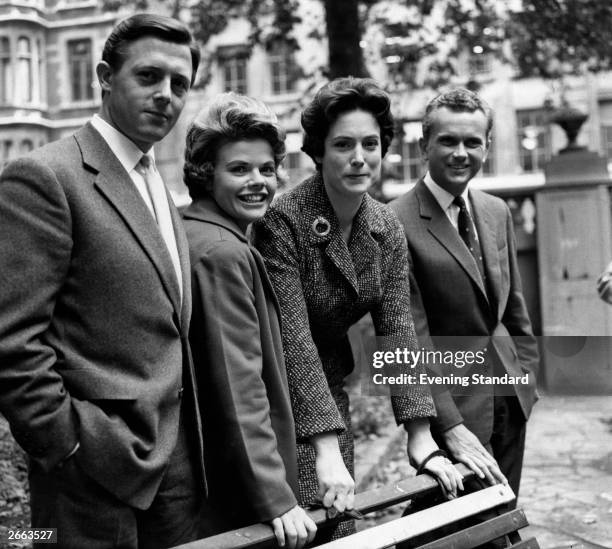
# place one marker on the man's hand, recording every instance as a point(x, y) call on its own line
point(465, 447)
point(336, 486)
point(294, 529)
point(604, 284)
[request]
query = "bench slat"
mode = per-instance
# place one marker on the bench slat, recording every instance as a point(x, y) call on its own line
point(481, 533)
point(386, 535)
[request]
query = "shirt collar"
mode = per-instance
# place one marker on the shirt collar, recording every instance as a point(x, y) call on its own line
point(123, 148)
point(442, 196)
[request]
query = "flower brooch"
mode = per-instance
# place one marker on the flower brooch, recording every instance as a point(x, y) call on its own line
point(321, 226)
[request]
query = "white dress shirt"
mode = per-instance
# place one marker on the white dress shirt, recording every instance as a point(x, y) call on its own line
point(445, 199)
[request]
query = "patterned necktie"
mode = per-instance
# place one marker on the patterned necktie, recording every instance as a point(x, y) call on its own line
point(161, 211)
point(467, 232)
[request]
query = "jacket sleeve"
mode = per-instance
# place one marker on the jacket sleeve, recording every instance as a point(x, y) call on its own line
point(229, 331)
point(515, 317)
point(447, 414)
point(314, 408)
point(35, 248)
point(394, 326)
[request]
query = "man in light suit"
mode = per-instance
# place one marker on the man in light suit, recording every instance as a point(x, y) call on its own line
point(96, 378)
point(473, 295)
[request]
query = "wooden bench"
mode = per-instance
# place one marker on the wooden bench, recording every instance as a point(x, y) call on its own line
point(506, 525)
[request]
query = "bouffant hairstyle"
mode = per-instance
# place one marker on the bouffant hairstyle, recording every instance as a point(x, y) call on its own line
point(230, 117)
point(148, 24)
point(457, 100)
point(338, 97)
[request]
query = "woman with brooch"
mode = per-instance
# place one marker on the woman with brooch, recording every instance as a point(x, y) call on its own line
point(334, 254)
point(232, 161)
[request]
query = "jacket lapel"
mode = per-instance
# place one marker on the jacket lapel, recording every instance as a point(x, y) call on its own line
point(365, 250)
point(207, 210)
point(443, 231)
point(485, 226)
point(325, 230)
point(113, 182)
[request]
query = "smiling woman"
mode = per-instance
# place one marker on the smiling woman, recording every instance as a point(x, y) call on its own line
point(232, 162)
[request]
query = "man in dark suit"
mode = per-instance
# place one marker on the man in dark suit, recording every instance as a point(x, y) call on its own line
point(96, 378)
point(465, 285)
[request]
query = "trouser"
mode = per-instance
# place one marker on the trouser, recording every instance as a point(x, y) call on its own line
point(87, 515)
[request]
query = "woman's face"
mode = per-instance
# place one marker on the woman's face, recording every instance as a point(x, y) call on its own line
point(244, 181)
point(352, 154)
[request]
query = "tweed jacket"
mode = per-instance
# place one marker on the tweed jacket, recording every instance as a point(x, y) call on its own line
point(450, 299)
point(93, 333)
point(325, 286)
point(235, 336)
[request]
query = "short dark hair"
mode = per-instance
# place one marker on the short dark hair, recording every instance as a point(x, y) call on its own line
point(230, 117)
point(148, 24)
point(457, 100)
point(338, 97)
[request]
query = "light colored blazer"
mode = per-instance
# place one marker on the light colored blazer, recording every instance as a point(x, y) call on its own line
point(449, 299)
point(236, 342)
point(93, 337)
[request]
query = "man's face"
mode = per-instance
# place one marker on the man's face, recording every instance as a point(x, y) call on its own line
point(456, 148)
point(144, 98)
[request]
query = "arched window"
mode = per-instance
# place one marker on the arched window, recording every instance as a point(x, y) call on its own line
point(24, 70)
point(26, 146)
point(5, 70)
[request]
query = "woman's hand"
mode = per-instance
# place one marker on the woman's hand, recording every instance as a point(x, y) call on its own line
point(421, 445)
point(336, 486)
point(294, 529)
point(450, 478)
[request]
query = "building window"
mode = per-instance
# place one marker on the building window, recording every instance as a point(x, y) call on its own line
point(405, 159)
point(605, 115)
point(80, 69)
point(283, 71)
point(39, 69)
point(298, 167)
point(235, 74)
point(479, 64)
point(23, 78)
point(6, 148)
point(26, 146)
point(5, 70)
point(606, 141)
point(488, 166)
point(533, 139)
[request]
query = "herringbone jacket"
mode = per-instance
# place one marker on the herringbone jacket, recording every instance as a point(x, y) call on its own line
point(324, 286)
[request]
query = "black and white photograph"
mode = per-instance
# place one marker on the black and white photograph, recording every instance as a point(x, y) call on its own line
point(306, 273)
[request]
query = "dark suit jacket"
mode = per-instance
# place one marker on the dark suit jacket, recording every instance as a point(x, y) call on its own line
point(93, 338)
point(236, 342)
point(449, 299)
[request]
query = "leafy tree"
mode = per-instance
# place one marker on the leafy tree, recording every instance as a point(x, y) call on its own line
point(541, 37)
